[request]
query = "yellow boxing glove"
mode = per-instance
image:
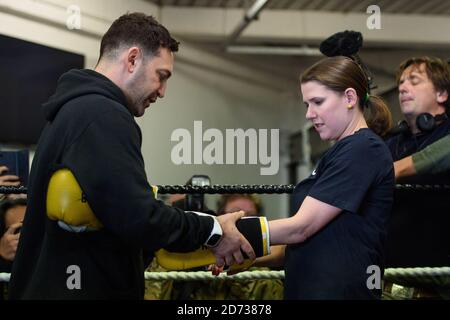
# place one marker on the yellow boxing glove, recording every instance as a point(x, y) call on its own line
point(66, 201)
point(254, 229)
point(198, 258)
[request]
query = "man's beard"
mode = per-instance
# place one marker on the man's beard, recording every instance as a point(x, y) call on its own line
point(135, 96)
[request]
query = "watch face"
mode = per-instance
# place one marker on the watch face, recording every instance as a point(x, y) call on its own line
point(214, 240)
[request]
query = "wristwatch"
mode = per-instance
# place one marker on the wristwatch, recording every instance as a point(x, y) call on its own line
point(216, 234)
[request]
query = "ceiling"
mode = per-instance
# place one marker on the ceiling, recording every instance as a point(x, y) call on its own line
point(430, 7)
point(410, 28)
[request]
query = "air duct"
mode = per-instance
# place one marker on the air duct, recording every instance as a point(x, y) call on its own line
point(250, 15)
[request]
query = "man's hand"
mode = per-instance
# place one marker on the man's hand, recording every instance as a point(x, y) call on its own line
point(9, 241)
point(404, 168)
point(228, 251)
point(8, 180)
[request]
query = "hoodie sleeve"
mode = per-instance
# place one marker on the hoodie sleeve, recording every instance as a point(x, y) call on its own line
point(107, 162)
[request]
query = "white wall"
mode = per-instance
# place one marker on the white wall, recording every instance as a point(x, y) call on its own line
point(220, 102)
point(205, 86)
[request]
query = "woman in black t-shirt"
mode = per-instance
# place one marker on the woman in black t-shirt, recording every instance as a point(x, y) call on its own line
point(335, 239)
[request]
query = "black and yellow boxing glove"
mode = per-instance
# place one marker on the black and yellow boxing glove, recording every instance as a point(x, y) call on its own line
point(67, 204)
point(254, 229)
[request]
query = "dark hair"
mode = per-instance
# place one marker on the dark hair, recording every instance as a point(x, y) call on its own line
point(7, 204)
point(225, 198)
point(140, 30)
point(340, 73)
point(438, 71)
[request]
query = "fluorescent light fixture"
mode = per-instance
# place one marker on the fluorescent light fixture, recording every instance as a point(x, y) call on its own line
point(292, 51)
point(256, 8)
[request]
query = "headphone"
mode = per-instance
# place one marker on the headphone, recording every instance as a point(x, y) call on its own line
point(425, 122)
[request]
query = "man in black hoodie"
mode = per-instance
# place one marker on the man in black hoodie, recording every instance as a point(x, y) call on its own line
point(92, 132)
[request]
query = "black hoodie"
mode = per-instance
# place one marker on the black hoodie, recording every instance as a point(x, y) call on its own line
point(91, 132)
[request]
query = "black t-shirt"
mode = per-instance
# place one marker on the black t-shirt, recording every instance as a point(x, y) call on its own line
point(355, 174)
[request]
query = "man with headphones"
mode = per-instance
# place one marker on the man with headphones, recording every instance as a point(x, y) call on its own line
point(417, 234)
point(424, 87)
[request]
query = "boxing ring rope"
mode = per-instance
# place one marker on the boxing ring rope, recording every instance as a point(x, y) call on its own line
point(440, 275)
point(12, 190)
point(242, 188)
point(427, 274)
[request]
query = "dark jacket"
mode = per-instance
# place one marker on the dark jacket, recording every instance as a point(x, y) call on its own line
point(418, 229)
point(405, 144)
point(91, 131)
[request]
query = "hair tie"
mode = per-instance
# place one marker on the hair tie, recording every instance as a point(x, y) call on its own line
point(366, 100)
